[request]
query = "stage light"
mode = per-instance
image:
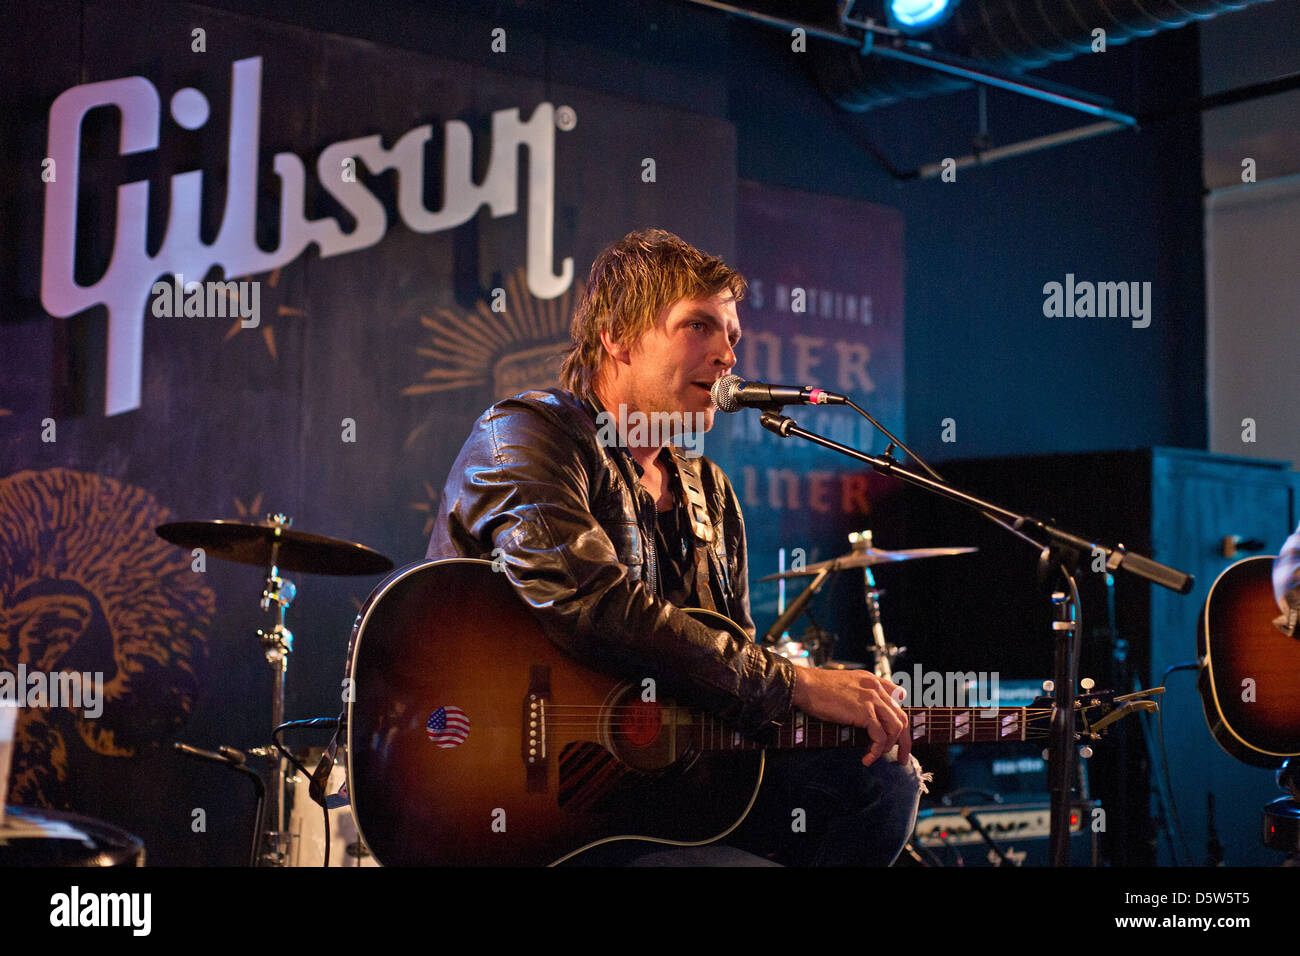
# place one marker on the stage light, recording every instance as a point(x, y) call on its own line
point(916, 16)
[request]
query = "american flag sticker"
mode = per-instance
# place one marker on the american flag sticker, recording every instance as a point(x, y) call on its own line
point(448, 726)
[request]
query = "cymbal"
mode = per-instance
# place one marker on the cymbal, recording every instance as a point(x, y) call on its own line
point(868, 557)
point(252, 544)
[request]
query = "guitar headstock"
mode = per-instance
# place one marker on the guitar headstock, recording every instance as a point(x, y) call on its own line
point(1096, 711)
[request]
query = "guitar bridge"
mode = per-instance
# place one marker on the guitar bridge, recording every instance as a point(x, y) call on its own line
point(533, 738)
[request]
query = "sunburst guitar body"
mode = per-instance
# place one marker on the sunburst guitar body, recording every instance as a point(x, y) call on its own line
point(473, 740)
point(1250, 670)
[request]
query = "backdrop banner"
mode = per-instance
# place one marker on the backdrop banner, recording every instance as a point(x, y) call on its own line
point(825, 308)
point(253, 269)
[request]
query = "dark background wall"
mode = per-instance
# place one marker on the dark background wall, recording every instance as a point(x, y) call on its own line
point(979, 250)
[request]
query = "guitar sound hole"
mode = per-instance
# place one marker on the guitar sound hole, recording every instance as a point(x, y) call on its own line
point(641, 723)
point(639, 732)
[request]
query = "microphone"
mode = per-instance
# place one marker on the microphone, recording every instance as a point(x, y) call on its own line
point(731, 393)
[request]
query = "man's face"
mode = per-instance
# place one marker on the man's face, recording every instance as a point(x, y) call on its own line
point(673, 366)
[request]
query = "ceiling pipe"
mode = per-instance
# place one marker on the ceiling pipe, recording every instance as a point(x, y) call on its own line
point(955, 71)
point(933, 71)
point(1003, 35)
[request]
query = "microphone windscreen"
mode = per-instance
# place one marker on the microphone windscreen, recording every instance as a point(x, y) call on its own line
point(723, 393)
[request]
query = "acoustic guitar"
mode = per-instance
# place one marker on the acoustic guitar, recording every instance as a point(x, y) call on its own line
point(473, 740)
point(1250, 670)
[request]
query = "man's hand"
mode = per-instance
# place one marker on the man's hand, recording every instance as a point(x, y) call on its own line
point(859, 698)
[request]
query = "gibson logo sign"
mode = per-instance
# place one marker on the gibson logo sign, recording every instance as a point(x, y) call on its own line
point(125, 286)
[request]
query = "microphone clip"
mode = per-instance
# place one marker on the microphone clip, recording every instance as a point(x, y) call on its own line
point(777, 423)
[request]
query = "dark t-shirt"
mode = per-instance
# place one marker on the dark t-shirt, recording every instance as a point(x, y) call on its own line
point(676, 558)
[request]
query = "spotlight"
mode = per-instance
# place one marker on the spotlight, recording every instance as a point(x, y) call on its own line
point(917, 16)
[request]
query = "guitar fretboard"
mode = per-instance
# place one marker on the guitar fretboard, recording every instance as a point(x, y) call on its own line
point(927, 725)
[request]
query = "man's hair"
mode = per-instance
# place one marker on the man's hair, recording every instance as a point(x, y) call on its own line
point(630, 283)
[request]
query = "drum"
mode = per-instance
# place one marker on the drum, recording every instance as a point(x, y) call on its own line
point(33, 836)
point(307, 823)
point(794, 652)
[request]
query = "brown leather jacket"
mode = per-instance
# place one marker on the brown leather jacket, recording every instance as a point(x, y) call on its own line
point(575, 533)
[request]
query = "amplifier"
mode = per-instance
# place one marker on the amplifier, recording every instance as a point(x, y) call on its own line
point(948, 836)
point(1003, 787)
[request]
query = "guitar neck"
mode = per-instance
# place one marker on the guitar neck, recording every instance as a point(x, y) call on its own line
point(927, 725)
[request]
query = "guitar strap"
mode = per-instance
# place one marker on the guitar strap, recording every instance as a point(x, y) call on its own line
point(702, 532)
point(697, 511)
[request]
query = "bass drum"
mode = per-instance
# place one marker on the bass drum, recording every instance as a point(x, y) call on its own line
point(307, 823)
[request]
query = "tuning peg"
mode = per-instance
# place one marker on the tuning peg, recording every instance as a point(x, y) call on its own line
point(1047, 754)
point(1087, 683)
point(1085, 751)
point(1048, 686)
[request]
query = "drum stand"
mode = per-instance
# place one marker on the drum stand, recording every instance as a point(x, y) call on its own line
point(272, 545)
point(883, 652)
point(864, 555)
point(277, 644)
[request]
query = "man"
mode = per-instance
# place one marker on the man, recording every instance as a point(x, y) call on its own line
point(607, 531)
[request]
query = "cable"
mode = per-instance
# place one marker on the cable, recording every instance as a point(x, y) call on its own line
point(332, 722)
point(1164, 760)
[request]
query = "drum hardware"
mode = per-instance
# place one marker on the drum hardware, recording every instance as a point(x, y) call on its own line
point(313, 832)
point(358, 851)
point(258, 544)
point(274, 545)
point(277, 645)
point(794, 650)
point(811, 649)
point(883, 654)
point(864, 555)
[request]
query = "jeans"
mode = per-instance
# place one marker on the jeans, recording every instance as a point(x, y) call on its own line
point(820, 808)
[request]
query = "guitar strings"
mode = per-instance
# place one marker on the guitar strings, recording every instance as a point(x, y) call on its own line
point(1004, 712)
point(620, 718)
point(594, 717)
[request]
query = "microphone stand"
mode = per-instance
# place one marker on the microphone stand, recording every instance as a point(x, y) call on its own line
point(1057, 563)
point(796, 607)
point(234, 759)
